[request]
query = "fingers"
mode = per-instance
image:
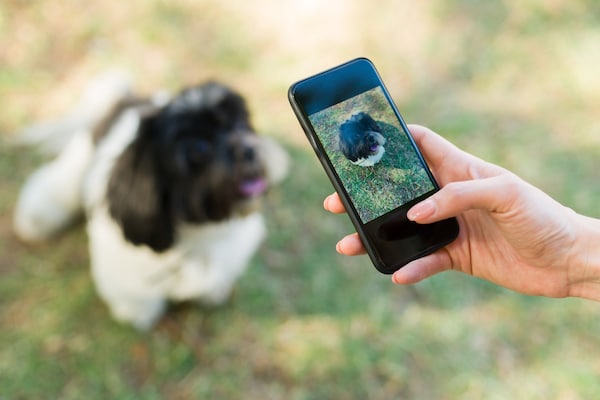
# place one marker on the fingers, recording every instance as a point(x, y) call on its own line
point(332, 203)
point(412, 272)
point(435, 149)
point(422, 268)
point(350, 245)
point(447, 162)
point(496, 194)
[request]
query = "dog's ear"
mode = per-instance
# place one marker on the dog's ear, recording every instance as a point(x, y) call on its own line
point(137, 196)
point(348, 141)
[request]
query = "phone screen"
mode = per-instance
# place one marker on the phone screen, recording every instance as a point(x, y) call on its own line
point(371, 153)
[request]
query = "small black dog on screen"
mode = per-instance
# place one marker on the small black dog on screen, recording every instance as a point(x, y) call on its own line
point(361, 141)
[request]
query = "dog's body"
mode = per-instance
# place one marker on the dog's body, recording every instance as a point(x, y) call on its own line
point(171, 193)
point(361, 141)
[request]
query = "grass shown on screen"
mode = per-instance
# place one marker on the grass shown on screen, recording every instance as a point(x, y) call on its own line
point(400, 175)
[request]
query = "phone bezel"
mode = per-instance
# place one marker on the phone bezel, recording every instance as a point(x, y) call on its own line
point(329, 88)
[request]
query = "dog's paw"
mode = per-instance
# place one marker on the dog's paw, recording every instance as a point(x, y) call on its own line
point(142, 315)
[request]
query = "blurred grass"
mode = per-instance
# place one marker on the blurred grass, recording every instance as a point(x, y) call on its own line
point(515, 83)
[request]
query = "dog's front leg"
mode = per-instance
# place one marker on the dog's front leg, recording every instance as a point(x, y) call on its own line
point(142, 313)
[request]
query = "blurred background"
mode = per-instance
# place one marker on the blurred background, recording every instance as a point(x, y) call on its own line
point(516, 83)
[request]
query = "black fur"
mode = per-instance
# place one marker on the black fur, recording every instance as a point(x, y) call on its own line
point(186, 163)
point(358, 135)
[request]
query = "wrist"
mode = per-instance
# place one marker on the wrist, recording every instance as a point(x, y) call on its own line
point(584, 269)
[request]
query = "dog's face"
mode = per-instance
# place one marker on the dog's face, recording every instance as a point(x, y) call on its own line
point(209, 154)
point(360, 140)
point(196, 160)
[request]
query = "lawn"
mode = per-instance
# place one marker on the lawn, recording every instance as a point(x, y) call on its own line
point(513, 82)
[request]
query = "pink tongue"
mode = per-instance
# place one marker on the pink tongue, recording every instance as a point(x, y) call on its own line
point(375, 148)
point(253, 187)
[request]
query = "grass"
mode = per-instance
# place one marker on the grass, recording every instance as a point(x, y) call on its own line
point(513, 83)
point(394, 181)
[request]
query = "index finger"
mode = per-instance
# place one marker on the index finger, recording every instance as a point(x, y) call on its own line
point(447, 162)
point(435, 148)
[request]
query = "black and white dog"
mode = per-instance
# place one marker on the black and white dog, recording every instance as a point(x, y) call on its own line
point(361, 141)
point(170, 188)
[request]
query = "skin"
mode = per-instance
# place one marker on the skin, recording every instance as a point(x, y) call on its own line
point(511, 233)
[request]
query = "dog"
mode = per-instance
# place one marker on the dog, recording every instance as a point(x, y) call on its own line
point(361, 141)
point(170, 189)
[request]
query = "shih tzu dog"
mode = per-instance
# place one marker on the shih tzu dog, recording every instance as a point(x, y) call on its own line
point(170, 189)
point(361, 141)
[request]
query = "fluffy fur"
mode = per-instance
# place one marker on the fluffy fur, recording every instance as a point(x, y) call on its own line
point(361, 141)
point(170, 190)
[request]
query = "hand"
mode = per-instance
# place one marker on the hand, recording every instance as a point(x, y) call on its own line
point(511, 233)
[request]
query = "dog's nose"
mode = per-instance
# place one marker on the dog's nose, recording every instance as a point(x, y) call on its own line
point(243, 147)
point(243, 153)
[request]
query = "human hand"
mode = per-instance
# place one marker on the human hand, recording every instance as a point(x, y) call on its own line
point(511, 233)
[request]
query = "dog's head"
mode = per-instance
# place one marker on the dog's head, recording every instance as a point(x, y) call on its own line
point(360, 140)
point(195, 160)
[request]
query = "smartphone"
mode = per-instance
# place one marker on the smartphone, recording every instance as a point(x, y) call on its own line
point(372, 161)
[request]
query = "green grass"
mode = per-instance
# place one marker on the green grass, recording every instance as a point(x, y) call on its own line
point(395, 180)
point(513, 83)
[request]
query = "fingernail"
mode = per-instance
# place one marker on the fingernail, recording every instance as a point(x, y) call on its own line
point(325, 203)
point(421, 211)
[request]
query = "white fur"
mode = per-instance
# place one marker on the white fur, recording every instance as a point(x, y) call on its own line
point(372, 159)
point(135, 281)
point(204, 264)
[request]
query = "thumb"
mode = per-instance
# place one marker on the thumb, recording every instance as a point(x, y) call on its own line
point(495, 194)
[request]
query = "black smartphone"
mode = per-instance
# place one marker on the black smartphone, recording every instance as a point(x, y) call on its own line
point(372, 161)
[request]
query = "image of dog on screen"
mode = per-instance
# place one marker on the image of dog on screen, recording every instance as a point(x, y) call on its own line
point(361, 141)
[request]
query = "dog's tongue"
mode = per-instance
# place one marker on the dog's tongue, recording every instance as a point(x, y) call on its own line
point(253, 187)
point(375, 147)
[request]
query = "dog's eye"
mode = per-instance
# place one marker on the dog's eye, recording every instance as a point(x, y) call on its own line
point(193, 153)
point(198, 152)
